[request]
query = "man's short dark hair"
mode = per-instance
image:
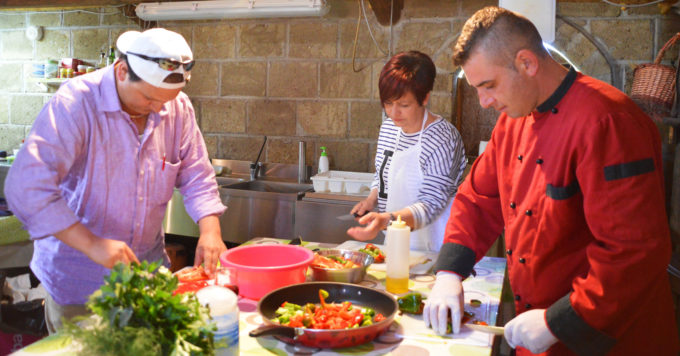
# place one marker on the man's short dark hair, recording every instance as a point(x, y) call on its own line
point(133, 76)
point(499, 32)
point(407, 71)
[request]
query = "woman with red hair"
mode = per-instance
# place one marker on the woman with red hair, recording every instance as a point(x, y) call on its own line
point(420, 158)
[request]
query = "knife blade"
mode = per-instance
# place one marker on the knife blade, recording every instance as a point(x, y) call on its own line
point(345, 217)
point(496, 330)
point(348, 217)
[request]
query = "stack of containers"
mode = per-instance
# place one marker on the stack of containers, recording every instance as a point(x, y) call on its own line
point(357, 183)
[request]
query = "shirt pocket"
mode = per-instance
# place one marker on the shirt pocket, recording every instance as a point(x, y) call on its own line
point(164, 183)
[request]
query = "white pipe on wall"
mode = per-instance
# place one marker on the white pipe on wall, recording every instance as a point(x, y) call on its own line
point(540, 12)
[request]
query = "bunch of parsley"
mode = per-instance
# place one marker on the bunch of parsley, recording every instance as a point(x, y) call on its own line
point(138, 315)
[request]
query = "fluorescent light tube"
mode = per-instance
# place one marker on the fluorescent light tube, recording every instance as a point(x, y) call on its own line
point(223, 9)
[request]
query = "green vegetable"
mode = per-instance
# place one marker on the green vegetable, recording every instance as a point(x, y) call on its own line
point(368, 312)
point(138, 315)
point(338, 259)
point(411, 303)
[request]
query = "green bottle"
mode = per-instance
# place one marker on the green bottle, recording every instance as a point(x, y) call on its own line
point(112, 56)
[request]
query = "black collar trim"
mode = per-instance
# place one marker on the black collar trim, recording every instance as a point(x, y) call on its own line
point(559, 93)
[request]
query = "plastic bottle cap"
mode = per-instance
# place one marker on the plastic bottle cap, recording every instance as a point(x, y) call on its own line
point(220, 300)
point(323, 151)
point(399, 224)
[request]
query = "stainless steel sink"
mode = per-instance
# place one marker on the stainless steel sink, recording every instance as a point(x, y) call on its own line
point(229, 180)
point(271, 187)
point(260, 208)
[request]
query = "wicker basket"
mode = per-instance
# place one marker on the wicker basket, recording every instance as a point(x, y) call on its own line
point(654, 84)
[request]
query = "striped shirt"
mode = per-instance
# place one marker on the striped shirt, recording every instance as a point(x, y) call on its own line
point(442, 161)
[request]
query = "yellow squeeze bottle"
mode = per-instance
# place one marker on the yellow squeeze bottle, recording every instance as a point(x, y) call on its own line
point(397, 243)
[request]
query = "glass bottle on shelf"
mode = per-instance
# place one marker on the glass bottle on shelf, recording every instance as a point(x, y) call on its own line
point(102, 60)
point(112, 56)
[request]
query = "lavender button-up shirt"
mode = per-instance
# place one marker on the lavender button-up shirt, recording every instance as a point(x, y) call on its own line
point(84, 162)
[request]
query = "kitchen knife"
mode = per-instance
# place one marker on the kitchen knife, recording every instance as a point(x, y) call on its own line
point(496, 330)
point(348, 217)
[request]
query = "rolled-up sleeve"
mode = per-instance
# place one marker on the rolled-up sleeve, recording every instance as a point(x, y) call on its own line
point(32, 185)
point(196, 178)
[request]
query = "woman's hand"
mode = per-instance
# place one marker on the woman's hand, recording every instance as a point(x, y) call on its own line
point(366, 205)
point(374, 223)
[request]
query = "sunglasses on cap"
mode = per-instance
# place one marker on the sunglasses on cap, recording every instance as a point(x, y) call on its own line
point(167, 64)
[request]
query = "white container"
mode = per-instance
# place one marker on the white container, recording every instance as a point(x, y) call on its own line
point(397, 243)
point(323, 161)
point(224, 313)
point(343, 182)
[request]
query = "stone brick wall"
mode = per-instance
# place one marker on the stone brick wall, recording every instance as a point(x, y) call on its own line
point(295, 79)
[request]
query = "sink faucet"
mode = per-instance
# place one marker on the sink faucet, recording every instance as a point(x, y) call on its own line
point(255, 166)
point(302, 166)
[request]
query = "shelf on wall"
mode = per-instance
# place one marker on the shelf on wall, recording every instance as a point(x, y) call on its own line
point(46, 83)
point(47, 80)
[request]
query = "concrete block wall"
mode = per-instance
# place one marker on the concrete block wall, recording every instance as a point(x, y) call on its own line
point(294, 79)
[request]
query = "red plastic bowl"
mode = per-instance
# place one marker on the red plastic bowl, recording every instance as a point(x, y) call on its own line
point(263, 268)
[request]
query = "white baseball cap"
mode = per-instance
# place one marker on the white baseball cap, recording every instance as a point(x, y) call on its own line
point(160, 57)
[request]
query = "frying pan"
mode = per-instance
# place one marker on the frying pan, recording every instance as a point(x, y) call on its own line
point(303, 293)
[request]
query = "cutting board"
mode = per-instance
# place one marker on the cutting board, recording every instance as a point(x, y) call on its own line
point(419, 261)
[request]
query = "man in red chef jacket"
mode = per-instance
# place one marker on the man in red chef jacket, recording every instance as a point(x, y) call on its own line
point(573, 175)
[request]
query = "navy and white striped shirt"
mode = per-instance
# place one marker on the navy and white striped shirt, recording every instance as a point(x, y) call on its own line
point(442, 161)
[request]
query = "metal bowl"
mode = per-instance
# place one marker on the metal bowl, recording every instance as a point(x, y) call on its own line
point(347, 275)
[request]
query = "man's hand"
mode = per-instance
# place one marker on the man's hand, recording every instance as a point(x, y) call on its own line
point(446, 295)
point(210, 244)
point(109, 252)
point(102, 251)
point(530, 330)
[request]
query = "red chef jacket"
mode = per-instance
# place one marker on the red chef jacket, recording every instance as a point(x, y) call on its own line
point(578, 187)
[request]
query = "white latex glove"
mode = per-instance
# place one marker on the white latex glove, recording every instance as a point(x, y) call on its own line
point(447, 294)
point(530, 331)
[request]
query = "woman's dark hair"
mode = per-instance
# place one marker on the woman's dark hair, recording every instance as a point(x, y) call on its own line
point(410, 71)
point(133, 76)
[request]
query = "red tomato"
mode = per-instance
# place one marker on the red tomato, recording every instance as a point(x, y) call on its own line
point(192, 274)
point(189, 287)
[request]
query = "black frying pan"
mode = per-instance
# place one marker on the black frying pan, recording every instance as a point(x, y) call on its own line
point(303, 293)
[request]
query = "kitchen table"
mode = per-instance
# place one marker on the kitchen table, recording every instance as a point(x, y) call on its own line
point(406, 336)
point(16, 248)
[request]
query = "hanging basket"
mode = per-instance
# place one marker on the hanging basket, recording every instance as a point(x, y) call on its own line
point(654, 84)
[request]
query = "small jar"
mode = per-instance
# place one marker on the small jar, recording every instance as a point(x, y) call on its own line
point(63, 72)
point(51, 68)
point(70, 73)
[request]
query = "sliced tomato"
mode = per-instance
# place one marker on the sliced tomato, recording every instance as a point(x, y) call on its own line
point(190, 287)
point(191, 274)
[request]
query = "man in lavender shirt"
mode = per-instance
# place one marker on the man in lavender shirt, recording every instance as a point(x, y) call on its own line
point(93, 179)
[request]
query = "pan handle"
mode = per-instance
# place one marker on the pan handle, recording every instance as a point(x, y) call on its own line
point(275, 330)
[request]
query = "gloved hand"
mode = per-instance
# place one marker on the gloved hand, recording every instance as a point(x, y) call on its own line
point(530, 331)
point(447, 294)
